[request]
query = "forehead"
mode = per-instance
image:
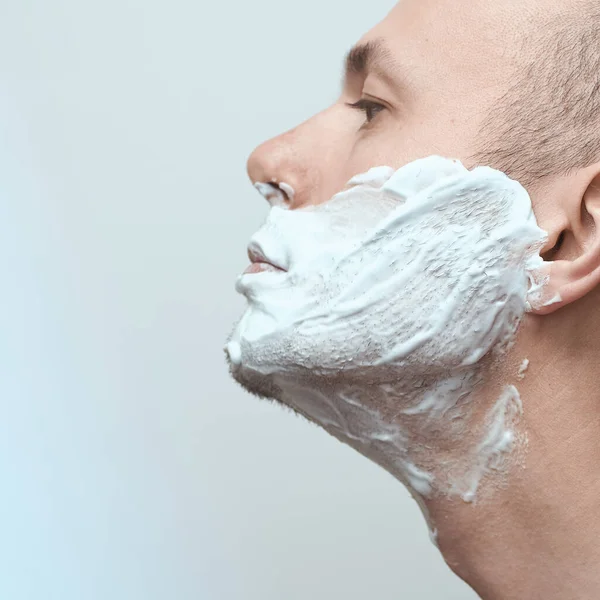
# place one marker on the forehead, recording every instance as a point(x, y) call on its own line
point(465, 44)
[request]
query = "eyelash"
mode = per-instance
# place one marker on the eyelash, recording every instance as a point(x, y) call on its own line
point(370, 108)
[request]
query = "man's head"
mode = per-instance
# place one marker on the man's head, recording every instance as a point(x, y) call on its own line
point(481, 81)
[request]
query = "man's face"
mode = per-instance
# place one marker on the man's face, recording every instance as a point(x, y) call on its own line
point(428, 75)
point(394, 288)
point(420, 83)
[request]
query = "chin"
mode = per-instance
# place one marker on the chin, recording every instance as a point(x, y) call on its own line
point(260, 385)
point(255, 383)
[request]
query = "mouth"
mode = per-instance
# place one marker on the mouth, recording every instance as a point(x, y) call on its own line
point(259, 263)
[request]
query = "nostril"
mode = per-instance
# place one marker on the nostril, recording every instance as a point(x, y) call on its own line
point(275, 194)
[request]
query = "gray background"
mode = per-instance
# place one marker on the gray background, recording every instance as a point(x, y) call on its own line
point(131, 466)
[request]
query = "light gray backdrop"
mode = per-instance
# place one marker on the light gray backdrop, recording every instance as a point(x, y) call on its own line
point(132, 468)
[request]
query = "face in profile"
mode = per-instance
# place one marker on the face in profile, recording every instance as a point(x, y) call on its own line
point(402, 253)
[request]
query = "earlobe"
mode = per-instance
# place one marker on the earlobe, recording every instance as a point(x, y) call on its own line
point(572, 266)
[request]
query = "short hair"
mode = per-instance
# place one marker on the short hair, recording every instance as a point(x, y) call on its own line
point(548, 122)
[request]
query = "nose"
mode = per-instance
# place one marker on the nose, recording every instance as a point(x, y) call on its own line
point(282, 172)
point(298, 167)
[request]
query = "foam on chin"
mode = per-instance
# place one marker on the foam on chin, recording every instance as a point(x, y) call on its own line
point(397, 293)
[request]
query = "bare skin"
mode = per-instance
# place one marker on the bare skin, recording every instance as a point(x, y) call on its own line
point(444, 65)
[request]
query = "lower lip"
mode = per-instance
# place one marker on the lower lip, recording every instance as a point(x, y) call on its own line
point(261, 267)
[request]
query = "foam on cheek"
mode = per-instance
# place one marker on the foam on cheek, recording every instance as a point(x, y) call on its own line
point(395, 291)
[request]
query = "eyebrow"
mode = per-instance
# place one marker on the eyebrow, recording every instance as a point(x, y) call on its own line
point(373, 56)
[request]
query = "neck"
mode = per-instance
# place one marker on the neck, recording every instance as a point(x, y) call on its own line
point(532, 529)
point(537, 537)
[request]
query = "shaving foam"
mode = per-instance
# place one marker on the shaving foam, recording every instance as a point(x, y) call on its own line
point(523, 368)
point(394, 297)
point(276, 194)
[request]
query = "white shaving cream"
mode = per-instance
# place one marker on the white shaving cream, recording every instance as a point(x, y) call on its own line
point(389, 303)
point(275, 194)
point(523, 368)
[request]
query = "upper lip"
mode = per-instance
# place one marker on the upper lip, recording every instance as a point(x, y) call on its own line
point(257, 255)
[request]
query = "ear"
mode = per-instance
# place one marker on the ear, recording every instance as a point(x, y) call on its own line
point(572, 253)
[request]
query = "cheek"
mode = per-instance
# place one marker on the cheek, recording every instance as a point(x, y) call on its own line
point(396, 144)
point(389, 146)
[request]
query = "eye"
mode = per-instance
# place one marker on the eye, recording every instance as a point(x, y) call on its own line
point(370, 108)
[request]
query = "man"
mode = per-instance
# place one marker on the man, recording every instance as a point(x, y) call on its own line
point(515, 86)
